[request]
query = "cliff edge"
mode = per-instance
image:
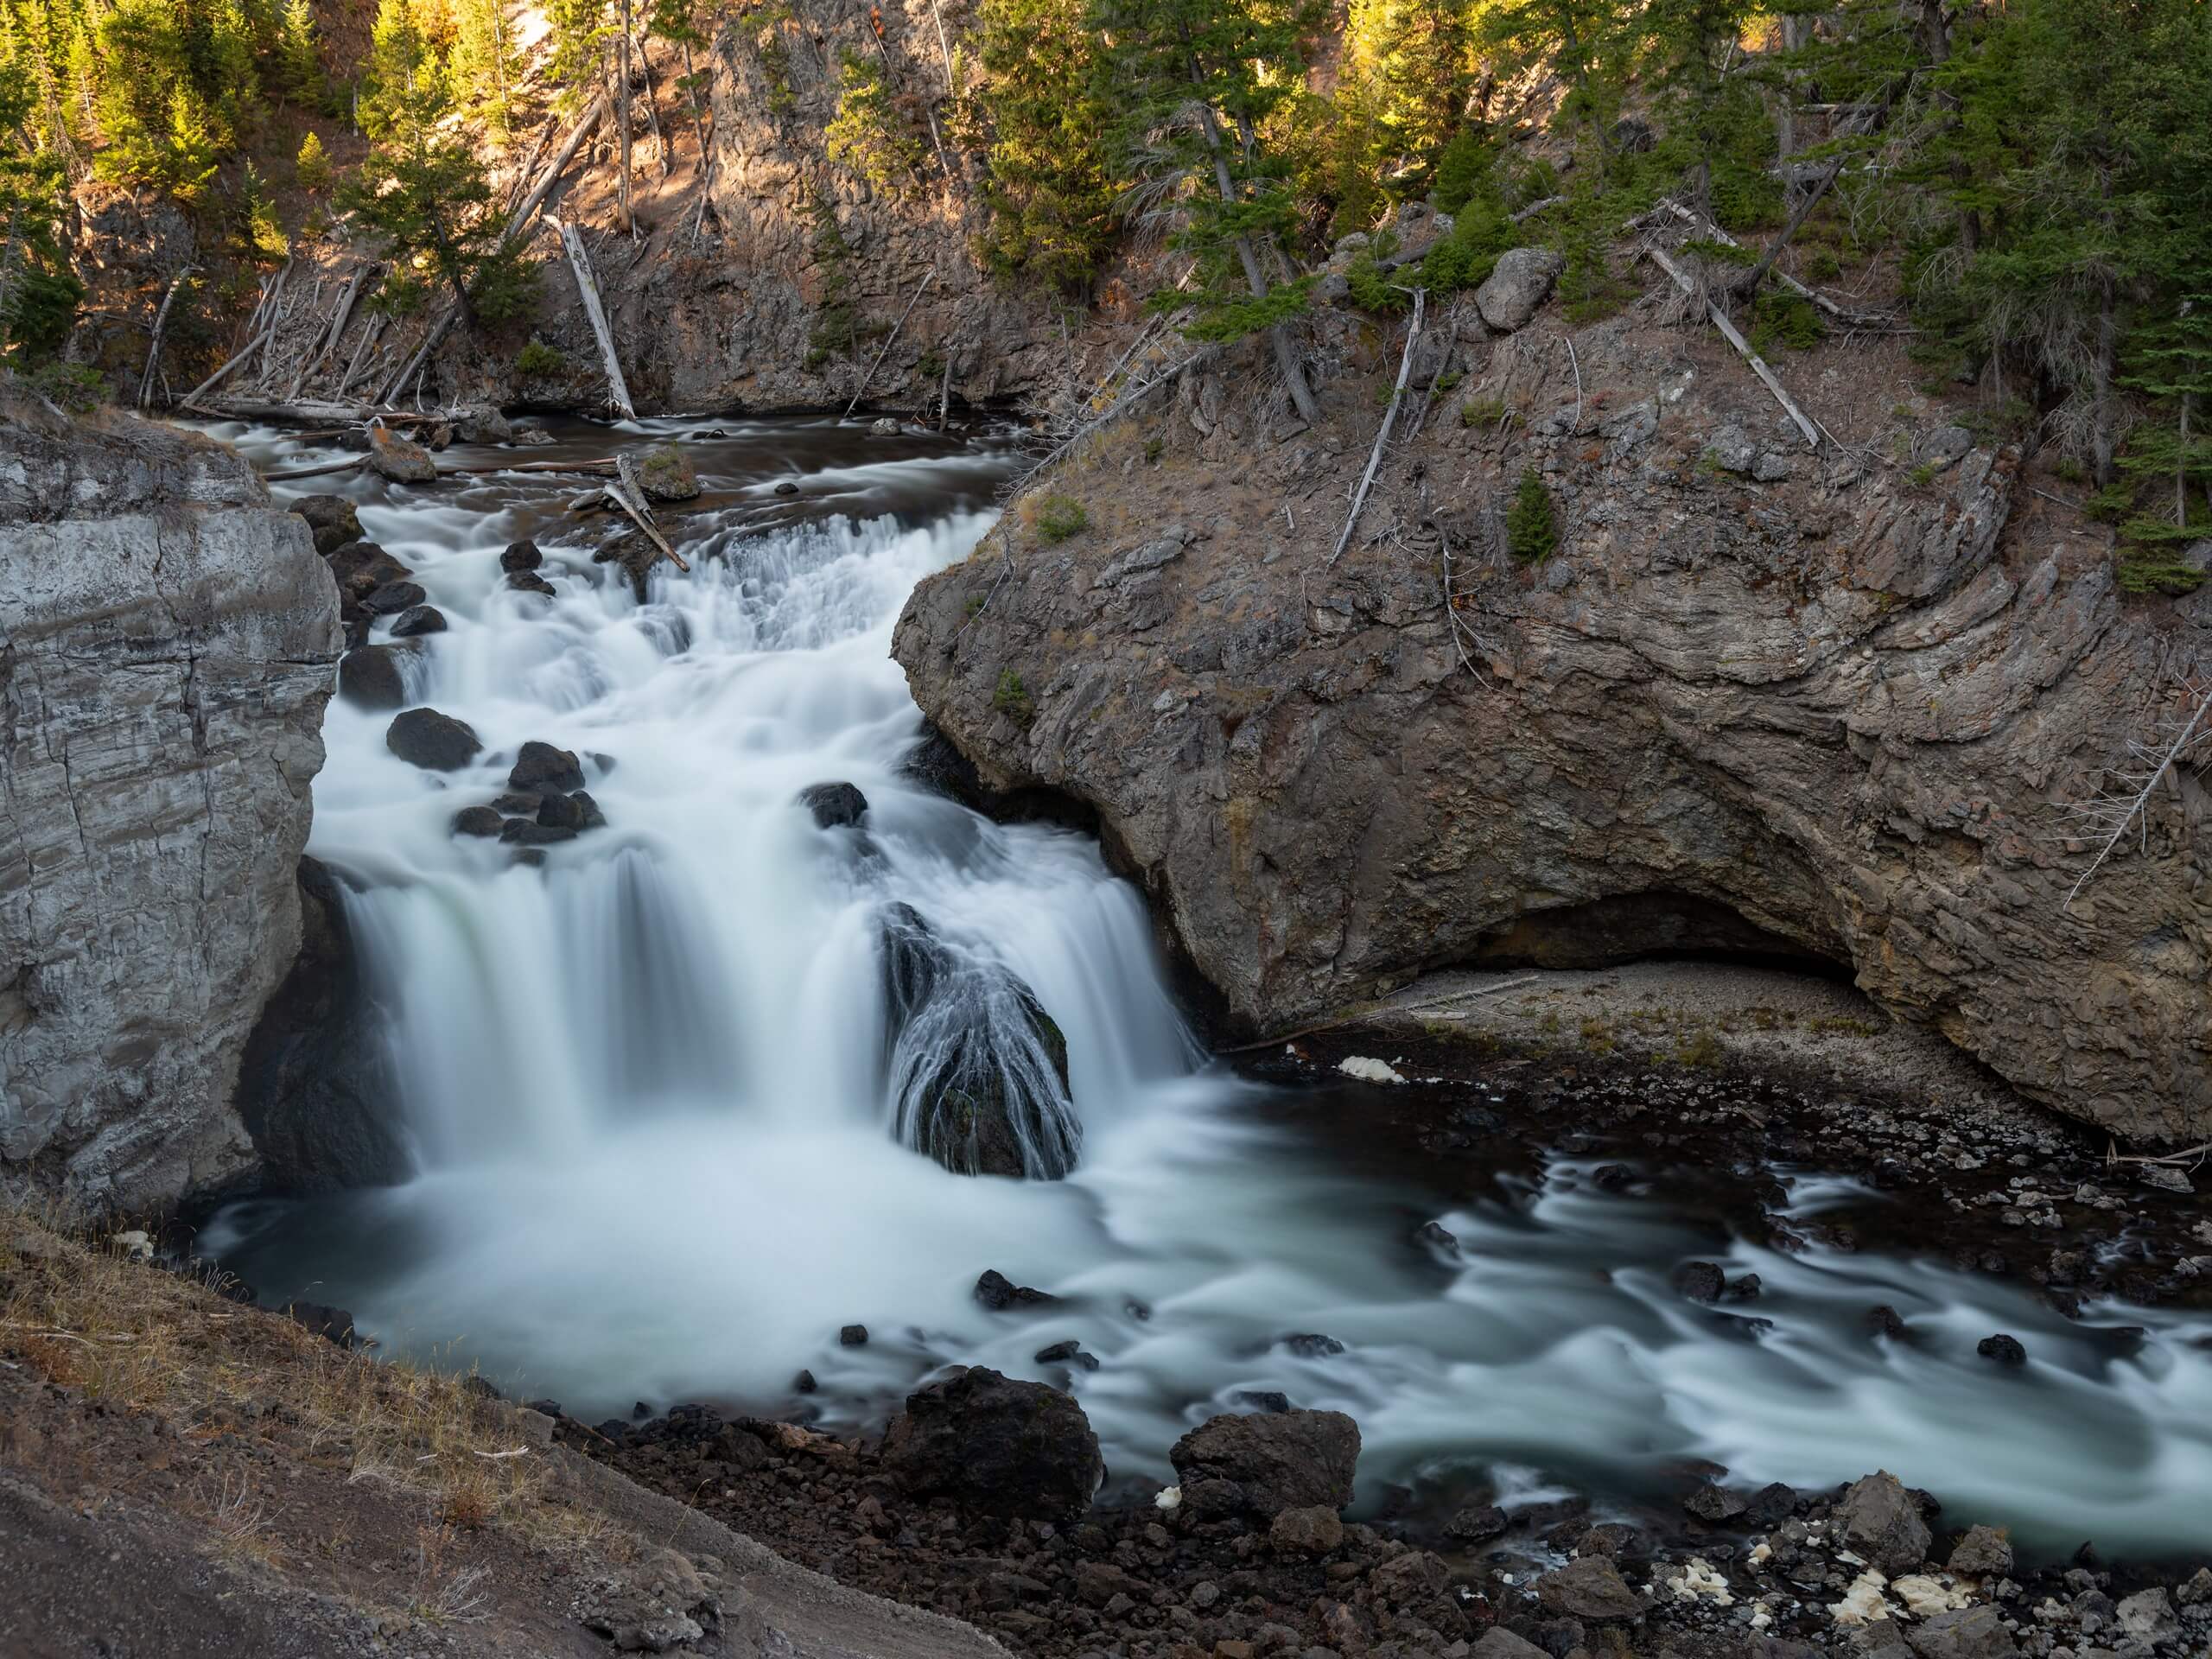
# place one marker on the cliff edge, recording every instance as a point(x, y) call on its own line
point(167, 642)
point(1837, 704)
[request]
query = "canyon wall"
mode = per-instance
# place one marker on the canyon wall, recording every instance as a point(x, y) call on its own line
point(1845, 699)
point(167, 643)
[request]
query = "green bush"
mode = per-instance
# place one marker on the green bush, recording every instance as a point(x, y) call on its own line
point(1012, 698)
point(76, 387)
point(1059, 516)
point(1781, 318)
point(1531, 522)
point(538, 357)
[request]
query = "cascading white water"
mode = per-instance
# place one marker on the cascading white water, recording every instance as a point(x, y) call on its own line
point(657, 1132)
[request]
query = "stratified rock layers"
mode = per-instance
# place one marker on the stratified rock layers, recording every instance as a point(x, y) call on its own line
point(167, 639)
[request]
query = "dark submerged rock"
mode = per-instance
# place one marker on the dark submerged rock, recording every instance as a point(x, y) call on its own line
point(853, 1336)
point(477, 821)
point(528, 832)
point(521, 556)
point(391, 598)
point(996, 1446)
point(528, 582)
point(998, 1293)
point(541, 766)
point(1701, 1281)
point(978, 1068)
point(369, 676)
point(417, 620)
point(315, 1089)
point(331, 520)
point(834, 805)
point(436, 742)
point(2006, 1350)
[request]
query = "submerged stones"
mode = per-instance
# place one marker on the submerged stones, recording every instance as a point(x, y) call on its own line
point(978, 1069)
point(1263, 1465)
point(331, 520)
point(994, 1446)
point(998, 1293)
point(436, 742)
point(417, 620)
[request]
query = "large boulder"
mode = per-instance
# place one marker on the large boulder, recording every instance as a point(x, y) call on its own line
point(1701, 696)
point(1882, 1521)
point(1963, 1633)
point(316, 1090)
point(436, 742)
point(1266, 1464)
point(401, 459)
point(1589, 1587)
point(1517, 285)
point(361, 568)
point(167, 642)
point(977, 1067)
point(481, 423)
point(995, 1446)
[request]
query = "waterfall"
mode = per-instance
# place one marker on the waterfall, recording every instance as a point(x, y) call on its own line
point(716, 1080)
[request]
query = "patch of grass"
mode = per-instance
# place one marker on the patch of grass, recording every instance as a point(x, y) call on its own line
point(1598, 1037)
point(1012, 698)
point(1841, 1024)
point(1701, 1048)
point(1153, 448)
point(1485, 411)
point(76, 387)
point(1923, 475)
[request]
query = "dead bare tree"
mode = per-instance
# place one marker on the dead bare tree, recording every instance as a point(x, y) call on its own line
point(2124, 803)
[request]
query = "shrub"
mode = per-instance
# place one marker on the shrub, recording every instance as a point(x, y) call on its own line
point(1531, 523)
point(538, 357)
point(77, 387)
point(1059, 516)
point(1012, 698)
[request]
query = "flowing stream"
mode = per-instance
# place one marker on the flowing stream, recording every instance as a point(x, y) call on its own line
point(655, 1138)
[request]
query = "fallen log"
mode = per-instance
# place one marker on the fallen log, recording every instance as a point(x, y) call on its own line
point(191, 399)
point(1730, 332)
point(154, 347)
point(628, 493)
point(921, 288)
point(1383, 437)
point(1707, 228)
point(588, 291)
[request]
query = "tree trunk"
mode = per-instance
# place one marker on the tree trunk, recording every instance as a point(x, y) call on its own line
point(622, 106)
point(1286, 348)
point(2101, 440)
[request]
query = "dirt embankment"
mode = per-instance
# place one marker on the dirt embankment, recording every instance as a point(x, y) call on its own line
point(181, 1474)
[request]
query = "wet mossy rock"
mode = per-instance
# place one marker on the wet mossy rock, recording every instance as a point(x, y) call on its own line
point(436, 742)
point(665, 472)
point(979, 1069)
point(331, 519)
point(995, 1446)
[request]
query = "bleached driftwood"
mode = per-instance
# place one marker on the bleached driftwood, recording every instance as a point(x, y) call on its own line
point(1383, 437)
point(1733, 335)
point(154, 347)
point(192, 399)
point(588, 290)
point(921, 288)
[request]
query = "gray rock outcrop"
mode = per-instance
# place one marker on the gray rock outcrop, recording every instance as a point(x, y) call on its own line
point(167, 639)
point(1845, 711)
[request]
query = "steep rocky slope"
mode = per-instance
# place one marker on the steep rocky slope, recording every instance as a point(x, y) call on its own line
point(167, 640)
point(1831, 704)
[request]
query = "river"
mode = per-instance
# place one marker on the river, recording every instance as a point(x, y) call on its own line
point(655, 1135)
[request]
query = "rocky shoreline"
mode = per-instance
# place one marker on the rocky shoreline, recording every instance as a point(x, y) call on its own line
point(1249, 1555)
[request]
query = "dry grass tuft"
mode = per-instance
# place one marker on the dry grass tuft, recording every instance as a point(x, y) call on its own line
point(79, 1311)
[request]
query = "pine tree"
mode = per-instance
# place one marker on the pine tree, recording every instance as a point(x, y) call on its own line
point(38, 292)
point(869, 134)
point(423, 189)
point(299, 57)
point(1408, 70)
point(486, 60)
point(1531, 522)
point(312, 166)
point(1198, 79)
point(1050, 189)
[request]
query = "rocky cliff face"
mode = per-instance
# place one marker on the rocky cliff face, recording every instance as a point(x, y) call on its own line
point(1835, 703)
point(753, 320)
point(167, 640)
